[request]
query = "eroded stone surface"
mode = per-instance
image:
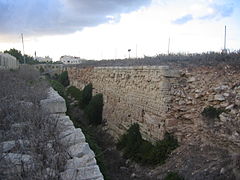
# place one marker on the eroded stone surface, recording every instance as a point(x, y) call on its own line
point(160, 101)
point(85, 173)
point(54, 103)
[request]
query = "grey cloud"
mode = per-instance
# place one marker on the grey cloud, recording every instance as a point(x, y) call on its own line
point(60, 16)
point(183, 19)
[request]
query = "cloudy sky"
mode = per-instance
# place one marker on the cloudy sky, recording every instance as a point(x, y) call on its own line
point(106, 29)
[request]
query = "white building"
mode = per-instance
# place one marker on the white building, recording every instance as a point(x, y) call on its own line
point(44, 59)
point(71, 60)
point(8, 61)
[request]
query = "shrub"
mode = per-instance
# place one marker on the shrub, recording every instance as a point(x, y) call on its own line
point(173, 176)
point(58, 87)
point(41, 69)
point(94, 109)
point(142, 151)
point(163, 148)
point(75, 93)
point(63, 78)
point(211, 112)
point(131, 141)
point(86, 96)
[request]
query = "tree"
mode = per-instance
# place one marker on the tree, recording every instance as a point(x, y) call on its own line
point(16, 53)
point(63, 79)
point(86, 96)
point(94, 110)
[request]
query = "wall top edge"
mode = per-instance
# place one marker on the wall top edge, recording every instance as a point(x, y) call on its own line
point(133, 67)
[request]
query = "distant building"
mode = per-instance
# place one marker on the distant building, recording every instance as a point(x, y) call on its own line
point(71, 60)
point(45, 59)
point(8, 61)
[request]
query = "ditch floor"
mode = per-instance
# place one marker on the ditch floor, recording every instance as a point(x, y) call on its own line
point(117, 167)
point(192, 160)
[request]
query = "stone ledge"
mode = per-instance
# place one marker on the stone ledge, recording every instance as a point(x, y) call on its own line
point(54, 103)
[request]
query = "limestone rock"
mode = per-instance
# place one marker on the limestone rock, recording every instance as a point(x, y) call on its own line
point(14, 163)
point(79, 150)
point(54, 103)
point(86, 160)
point(84, 173)
point(8, 145)
point(191, 79)
point(72, 137)
point(219, 97)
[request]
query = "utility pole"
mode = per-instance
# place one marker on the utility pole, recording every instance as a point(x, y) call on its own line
point(23, 49)
point(225, 37)
point(129, 50)
point(168, 45)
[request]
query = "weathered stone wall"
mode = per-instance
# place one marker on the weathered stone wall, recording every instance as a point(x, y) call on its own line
point(131, 94)
point(162, 99)
point(8, 61)
point(81, 162)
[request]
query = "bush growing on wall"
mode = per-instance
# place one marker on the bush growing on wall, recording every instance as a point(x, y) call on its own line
point(142, 151)
point(211, 112)
point(63, 78)
point(94, 109)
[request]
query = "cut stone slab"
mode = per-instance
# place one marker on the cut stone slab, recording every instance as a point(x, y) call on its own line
point(8, 145)
point(54, 103)
point(79, 150)
point(72, 137)
point(14, 163)
point(76, 162)
point(85, 173)
point(64, 123)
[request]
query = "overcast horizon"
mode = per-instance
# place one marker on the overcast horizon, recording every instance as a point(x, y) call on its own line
point(107, 29)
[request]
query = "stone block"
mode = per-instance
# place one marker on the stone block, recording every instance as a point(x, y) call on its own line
point(15, 163)
point(72, 137)
point(54, 103)
point(219, 97)
point(79, 150)
point(64, 123)
point(84, 173)
point(86, 160)
point(8, 145)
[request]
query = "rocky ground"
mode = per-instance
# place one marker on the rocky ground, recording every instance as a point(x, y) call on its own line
point(193, 160)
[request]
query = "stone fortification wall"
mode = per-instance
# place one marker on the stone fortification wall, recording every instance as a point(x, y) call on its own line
point(161, 99)
point(131, 94)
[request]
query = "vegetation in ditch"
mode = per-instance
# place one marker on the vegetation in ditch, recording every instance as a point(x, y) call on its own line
point(142, 151)
point(86, 96)
point(87, 130)
point(57, 86)
point(75, 93)
point(63, 78)
point(173, 176)
point(94, 109)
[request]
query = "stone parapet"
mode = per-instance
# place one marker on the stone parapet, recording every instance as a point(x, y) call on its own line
point(81, 157)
